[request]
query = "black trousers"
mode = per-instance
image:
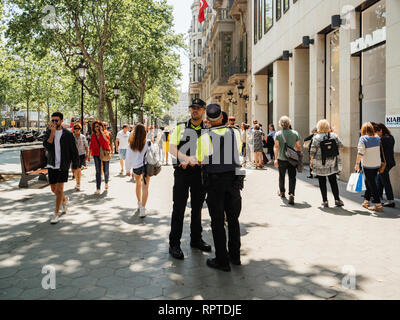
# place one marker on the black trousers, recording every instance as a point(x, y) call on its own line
point(224, 198)
point(334, 186)
point(185, 180)
point(384, 183)
point(292, 172)
point(372, 187)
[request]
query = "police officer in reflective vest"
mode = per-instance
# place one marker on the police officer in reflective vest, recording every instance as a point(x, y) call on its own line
point(218, 153)
point(187, 175)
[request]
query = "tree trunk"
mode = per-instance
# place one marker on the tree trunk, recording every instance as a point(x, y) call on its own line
point(102, 98)
point(111, 116)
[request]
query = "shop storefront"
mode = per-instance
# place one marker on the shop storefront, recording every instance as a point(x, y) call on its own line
point(371, 48)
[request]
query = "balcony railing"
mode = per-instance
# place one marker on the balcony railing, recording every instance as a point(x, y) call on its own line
point(237, 66)
point(223, 15)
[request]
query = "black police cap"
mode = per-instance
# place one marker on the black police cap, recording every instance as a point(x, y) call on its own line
point(213, 112)
point(198, 103)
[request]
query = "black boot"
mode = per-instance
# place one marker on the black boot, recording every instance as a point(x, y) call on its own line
point(176, 252)
point(201, 245)
point(212, 263)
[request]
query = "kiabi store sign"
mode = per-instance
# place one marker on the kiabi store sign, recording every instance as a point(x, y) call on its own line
point(370, 40)
point(393, 121)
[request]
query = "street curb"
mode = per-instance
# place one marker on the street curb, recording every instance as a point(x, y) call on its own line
point(9, 146)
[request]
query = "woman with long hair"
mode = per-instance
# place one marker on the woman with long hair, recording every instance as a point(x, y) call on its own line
point(387, 156)
point(138, 146)
point(369, 152)
point(100, 139)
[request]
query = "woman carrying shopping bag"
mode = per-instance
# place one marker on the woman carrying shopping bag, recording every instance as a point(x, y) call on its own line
point(326, 166)
point(369, 155)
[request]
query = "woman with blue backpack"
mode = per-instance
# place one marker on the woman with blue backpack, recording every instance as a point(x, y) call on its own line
point(325, 161)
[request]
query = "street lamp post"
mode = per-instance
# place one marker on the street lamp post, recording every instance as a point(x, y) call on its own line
point(82, 69)
point(132, 101)
point(116, 94)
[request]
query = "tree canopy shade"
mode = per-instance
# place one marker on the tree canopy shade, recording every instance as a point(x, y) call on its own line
point(125, 42)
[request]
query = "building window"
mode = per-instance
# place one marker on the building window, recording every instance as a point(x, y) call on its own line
point(373, 66)
point(255, 21)
point(194, 48)
point(194, 73)
point(268, 15)
point(199, 73)
point(278, 9)
point(199, 48)
point(226, 53)
point(286, 5)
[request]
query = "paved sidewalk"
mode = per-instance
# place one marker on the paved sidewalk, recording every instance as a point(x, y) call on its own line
point(103, 250)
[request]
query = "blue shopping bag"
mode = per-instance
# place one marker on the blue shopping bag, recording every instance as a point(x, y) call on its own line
point(359, 187)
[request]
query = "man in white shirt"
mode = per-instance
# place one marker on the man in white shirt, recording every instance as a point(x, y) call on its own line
point(62, 151)
point(122, 143)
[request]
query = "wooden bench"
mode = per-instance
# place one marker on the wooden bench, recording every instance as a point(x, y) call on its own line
point(33, 164)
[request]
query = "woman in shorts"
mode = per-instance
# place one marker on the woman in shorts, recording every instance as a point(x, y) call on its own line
point(138, 146)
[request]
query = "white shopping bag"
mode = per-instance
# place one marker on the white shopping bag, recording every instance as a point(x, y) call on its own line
point(356, 183)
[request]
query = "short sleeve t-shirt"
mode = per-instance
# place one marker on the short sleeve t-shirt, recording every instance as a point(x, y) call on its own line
point(291, 137)
point(123, 139)
point(57, 150)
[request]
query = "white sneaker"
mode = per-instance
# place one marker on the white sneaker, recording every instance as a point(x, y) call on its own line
point(77, 187)
point(54, 219)
point(142, 212)
point(139, 204)
point(122, 171)
point(65, 206)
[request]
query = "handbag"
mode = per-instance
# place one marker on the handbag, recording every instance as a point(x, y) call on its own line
point(105, 155)
point(383, 164)
point(290, 153)
point(151, 161)
point(306, 144)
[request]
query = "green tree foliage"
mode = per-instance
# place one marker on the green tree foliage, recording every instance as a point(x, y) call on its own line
point(128, 42)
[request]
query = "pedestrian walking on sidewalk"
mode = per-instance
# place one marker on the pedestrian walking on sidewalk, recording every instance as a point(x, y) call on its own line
point(369, 157)
point(326, 165)
point(83, 151)
point(62, 151)
point(223, 181)
point(271, 142)
point(138, 146)
point(258, 137)
point(187, 176)
point(100, 140)
point(122, 145)
point(165, 144)
point(286, 138)
point(387, 156)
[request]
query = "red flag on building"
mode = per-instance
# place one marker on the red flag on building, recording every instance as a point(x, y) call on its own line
point(203, 8)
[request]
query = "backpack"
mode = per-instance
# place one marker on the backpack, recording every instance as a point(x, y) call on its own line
point(151, 161)
point(329, 148)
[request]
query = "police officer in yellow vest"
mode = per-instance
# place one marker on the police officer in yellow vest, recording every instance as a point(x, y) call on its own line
point(218, 152)
point(187, 175)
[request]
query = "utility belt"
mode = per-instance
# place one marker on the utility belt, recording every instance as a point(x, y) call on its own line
point(208, 178)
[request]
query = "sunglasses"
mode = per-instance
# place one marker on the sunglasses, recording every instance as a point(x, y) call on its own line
point(54, 121)
point(77, 128)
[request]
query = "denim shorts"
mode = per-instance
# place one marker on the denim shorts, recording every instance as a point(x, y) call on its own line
point(122, 154)
point(138, 171)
